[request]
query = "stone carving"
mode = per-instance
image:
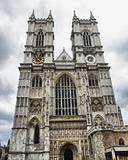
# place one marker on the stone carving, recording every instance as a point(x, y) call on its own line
point(18, 140)
point(99, 146)
point(35, 107)
point(99, 121)
point(97, 104)
point(67, 134)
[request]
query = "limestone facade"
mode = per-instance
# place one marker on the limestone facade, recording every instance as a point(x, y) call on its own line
point(65, 108)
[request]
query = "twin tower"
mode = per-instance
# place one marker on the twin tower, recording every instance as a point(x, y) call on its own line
point(65, 108)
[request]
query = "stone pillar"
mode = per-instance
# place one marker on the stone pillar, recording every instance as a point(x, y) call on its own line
point(99, 150)
point(113, 154)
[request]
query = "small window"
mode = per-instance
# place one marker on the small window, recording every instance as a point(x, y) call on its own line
point(40, 39)
point(37, 82)
point(87, 39)
point(36, 135)
point(121, 141)
point(93, 81)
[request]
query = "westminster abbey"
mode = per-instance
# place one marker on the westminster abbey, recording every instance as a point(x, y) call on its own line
point(65, 107)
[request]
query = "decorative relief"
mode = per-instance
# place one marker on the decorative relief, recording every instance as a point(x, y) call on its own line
point(68, 125)
point(99, 121)
point(97, 104)
point(35, 106)
point(99, 146)
point(67, 134)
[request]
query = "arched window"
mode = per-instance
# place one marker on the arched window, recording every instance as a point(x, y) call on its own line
point(93, 81)
point(66, 103)
point(37, 82)
point(87, 39)
point(36, 134)
point(121, 141)
point(40, 39)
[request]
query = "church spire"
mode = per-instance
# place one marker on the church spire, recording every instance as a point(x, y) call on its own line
point(32, 15)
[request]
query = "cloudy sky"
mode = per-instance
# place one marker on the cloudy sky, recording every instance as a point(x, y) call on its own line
point(113, 26)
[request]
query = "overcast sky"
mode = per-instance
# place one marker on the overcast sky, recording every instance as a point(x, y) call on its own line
point(113, 26)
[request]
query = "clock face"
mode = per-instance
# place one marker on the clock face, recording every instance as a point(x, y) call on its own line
point(90, 59)
point(38, 58)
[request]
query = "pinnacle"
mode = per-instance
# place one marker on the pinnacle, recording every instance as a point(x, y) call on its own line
point(91, 16)
point(74, 16)
point(32, 15)
point(50, 15)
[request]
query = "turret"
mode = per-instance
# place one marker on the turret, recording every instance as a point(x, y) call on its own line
point(39, 46)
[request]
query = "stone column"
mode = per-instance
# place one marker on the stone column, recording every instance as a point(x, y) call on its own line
point(113, 154)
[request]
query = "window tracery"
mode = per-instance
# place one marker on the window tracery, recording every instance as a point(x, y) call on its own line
point(36, 82)
point(93, 81)
point(87, 39)
point(66, 103)
point(99, 121)
point(40, 39)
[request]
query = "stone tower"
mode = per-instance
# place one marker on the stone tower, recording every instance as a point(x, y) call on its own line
point(65, 108)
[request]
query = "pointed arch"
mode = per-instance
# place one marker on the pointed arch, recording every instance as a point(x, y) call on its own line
point(93, 81)
point(33, 121)
point(40, 39)
point(87, 39)
point(98, 120)
point(36, 81)
point(121, 141)
point(65, 92)
point(68, 154)
point(68, 151)
point(34, 130)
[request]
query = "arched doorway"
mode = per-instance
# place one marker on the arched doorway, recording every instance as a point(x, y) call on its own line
point(68, 154)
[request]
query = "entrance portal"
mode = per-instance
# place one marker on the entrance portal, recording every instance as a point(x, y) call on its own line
point(68, 154)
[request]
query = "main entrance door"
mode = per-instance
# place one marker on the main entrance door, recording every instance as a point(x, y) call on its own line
point(68, 154)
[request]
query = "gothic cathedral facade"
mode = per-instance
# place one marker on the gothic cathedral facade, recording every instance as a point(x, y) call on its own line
point(66, 108)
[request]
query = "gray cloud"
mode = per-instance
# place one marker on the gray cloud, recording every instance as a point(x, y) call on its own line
point(12, 8)
point(120, 47)
point(5, 47)
point(6, 89)
point(5, 134)
point(122, 95)
point(7, 7)
point(6, 116)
